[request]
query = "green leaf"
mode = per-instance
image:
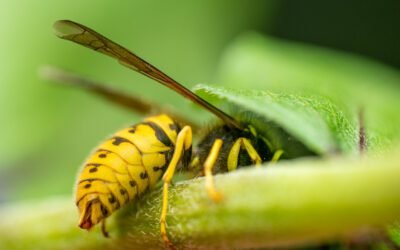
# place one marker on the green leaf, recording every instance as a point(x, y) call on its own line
point(394, 232)
point(295, 123)
point(350, 81)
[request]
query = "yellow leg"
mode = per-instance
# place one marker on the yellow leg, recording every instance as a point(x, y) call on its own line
point(208, 166)
point(195, 163)
point(277, 155)
point(242, 143)
point(183, 142)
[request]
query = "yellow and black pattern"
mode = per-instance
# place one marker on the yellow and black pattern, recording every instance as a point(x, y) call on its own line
point(123, 167)
point(240, 148)
point(136, 158)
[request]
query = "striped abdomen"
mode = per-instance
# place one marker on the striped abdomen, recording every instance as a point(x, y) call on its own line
point(123, 167)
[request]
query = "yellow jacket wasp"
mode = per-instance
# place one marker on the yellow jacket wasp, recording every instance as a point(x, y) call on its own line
point(134, 159)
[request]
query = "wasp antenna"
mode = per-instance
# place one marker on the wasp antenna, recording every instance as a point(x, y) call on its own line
point(89, 38)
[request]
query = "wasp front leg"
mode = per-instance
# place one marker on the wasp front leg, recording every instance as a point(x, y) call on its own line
point(208, 166)
point(232, 162)
point(277, 155)
point(183, 146)
point(233, 157)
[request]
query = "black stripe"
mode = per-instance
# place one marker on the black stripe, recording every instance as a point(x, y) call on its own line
point(96, 179)
point(160, 134)
point(117, 154)
point(97, 165)
point(94, 200)
point(93, 165)
point(118, 140)
point(174, 126)
point(104, 210)
point(168, 156)
point(111, 193)
point(144, 175)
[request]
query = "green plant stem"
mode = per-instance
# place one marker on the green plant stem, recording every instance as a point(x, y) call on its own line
point(289, 204)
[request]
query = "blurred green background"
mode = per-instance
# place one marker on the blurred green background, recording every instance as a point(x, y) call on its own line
point(47, 130)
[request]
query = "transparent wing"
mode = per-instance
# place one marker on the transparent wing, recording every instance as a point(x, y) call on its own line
point(120, 98)
point(87, 37)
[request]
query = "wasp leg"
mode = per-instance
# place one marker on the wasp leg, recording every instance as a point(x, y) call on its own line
point(242, 143)
point(183, 143)
point(277, 155)
point(208, 166)
point(103, 229)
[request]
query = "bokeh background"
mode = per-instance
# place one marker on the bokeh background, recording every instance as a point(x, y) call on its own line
point(47, 130)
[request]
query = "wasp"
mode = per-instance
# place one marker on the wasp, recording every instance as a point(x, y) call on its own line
point(134, 159)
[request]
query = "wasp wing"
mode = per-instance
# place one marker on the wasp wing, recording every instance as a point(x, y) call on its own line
point(87, 37)
point(115, 96)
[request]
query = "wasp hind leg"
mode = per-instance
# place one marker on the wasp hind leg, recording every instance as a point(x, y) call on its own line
point(183, 144)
